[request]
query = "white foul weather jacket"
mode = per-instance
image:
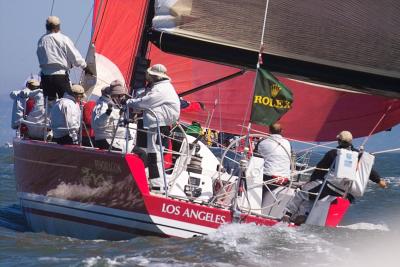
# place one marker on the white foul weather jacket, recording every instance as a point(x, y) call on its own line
point(65, 118)
point(57, 54)
point(104, 125)
point(162, 100)
point(19, 97)
point(276, 152)
point(36, 118)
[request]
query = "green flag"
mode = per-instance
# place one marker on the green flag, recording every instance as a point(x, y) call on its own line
point(271, 99)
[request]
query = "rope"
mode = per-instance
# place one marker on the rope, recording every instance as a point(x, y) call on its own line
point(52, 7)
point(294, 140)
point(379, 122)
point(84, 24)
point(386, 151)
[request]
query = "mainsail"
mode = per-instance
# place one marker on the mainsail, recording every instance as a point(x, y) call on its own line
point(319, 111)
point(347, 44)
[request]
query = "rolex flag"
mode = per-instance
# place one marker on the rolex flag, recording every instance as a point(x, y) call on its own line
point(271, 99)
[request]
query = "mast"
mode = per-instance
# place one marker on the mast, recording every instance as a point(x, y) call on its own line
point(141, 62)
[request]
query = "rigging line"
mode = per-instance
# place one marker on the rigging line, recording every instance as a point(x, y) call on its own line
point(377, 124)
point(52, 7)
point(386, 151)
point(258, 65)
point(84, 25)
point(294, 140)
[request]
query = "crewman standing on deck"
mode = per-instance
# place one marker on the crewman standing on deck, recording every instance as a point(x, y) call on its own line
point(57, 54)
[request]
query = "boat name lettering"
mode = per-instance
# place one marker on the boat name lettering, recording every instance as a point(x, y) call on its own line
point(271, 102)
point(193, 213)
point(107, 166)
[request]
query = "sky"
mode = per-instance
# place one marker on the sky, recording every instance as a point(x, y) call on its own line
point(22, 22)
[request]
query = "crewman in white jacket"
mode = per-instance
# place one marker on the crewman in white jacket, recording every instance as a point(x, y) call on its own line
point(106, 119)
point(276, 151)
point(65, 116)
point(35, 120)
point(57, 54)
point(20, 98)
point(164, 102)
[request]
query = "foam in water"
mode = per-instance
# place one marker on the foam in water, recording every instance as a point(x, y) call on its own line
point(367, 226)
point(270, 246)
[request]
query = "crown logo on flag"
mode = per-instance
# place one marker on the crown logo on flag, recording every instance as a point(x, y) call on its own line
point(275, 90)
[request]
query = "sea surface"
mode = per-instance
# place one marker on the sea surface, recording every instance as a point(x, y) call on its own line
point(368, 236)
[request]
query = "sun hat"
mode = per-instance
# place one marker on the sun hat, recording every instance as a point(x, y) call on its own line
point(345, 136)
point(33, 82)
point(117, 88)
point(77, 89)
point(53, 20)
point(158, 70)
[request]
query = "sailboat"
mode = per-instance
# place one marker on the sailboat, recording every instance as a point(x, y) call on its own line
point(338, 59)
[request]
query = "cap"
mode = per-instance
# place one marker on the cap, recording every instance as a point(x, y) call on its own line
point(53, 20)
point(345, 136)
point(77, 89)
point(158, 70)
point(117, 88)
point(33, 82)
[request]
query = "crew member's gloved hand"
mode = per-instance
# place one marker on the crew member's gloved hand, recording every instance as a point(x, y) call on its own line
point(88, 71)
point(109, 109)
point(123, 101)
point(383, 184)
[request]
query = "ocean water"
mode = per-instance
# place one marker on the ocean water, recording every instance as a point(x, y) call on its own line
point(368, 236)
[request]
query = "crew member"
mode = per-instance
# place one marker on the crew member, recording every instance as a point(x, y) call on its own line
point(164, 102)
point(20, 98)
point(300, 206)
point(57, 54)
point(106, 118)
point(65, 116)
point(276, 151)
point(35, 118)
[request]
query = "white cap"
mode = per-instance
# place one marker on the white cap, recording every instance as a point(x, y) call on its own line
point(345, 136)
point(53, 20)
point(158, 70)
point(77, 89)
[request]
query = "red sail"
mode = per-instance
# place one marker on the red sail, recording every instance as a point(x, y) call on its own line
point(117, 27)
point(318, 113)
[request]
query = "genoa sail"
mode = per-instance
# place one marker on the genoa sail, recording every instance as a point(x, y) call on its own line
point(335, 43)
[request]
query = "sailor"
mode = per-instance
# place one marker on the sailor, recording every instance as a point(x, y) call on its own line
point(106, 116)
point(57, 54)
point(276, 151)
point(164, 102)
point(20, 105)
point(65, 116)
point(300, 206)
point(35, 119)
